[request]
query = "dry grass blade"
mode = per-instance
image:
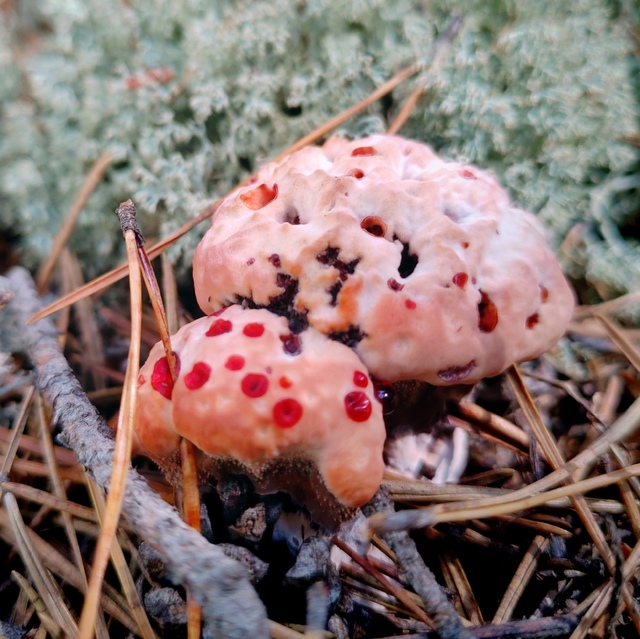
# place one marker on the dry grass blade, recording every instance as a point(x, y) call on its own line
point(457, 581)
point(44, 584)
point(123, 444)
point(66, 571)
point(549, 446)
point(119, 562)
point(520, 580)
point(612, 306)
point(40, 609)
point(93, 178)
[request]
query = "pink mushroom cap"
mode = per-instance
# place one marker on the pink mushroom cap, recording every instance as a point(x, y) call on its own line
point(422, 266)
point(250, 391)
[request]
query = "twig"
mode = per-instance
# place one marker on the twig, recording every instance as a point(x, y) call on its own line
point(437, 606)
point(221, 585)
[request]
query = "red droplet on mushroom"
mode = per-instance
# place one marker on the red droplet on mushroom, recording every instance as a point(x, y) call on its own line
point(374, 225)
point(260, 196)
point(287, 412)
point(360, 379)
point(488, 314)
point(394, 285)
point(234, 363)
point(285, 382)
point(161, 376)
point(250, 261)
point(254, 329)
point(410, 304)
point(465, 245)
point(456, 373)
point(358, 174)
point(467, 175)
point(363, 150)
point(198, 376)
point(532, 320)
point(358, 406)
point(544, 293)
point(219, 327)
point(275, 260)
point(291, 344)
point(220, 311)
point(460, 279)
point(141, 380)
point(386, 394)
point(254, 385)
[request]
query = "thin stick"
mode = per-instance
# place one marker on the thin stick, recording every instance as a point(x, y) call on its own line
point(123, 443)
point(92, 180)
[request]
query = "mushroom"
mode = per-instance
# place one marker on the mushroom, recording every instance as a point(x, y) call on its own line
point(250, 393)
point(422, 266)
point(340, 266)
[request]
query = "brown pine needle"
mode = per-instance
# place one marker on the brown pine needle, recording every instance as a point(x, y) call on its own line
point(123, 445)
point(520, 580)
point(92, 180)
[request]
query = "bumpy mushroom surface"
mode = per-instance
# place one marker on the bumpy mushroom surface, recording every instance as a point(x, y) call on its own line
point(422, 266)
point(251, 391)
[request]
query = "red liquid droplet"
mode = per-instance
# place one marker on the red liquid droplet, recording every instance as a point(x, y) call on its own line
point(358, 174)
point(363, 150)
point(386, 394)
point(287, 412)
point(532, 320)
point(234, 362)
point(198, 376)
point(394, 285)
point(260, 196)
point(544, 293)
point(358, 406)
point(141, 380)
point(161, 376)
point(488, 314)
point(460, 279)
point(285, 382)
point(219, 327)
point(410, 304)
point(465, 245)
point(291, 344)
point(255, 329)
point(255, 385)
point(250, 261)
point(360, 379)
point(468, 175)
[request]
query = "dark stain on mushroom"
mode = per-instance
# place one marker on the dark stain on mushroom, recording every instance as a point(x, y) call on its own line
point(408, 260)
point(283, 304)
point(334, 290)
point(331, 257)
point(351, 337)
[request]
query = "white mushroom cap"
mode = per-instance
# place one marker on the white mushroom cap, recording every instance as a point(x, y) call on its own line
point(251, 391)
point(422, 266)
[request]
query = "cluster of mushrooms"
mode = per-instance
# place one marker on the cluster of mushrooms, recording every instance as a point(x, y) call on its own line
point(341, 271)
